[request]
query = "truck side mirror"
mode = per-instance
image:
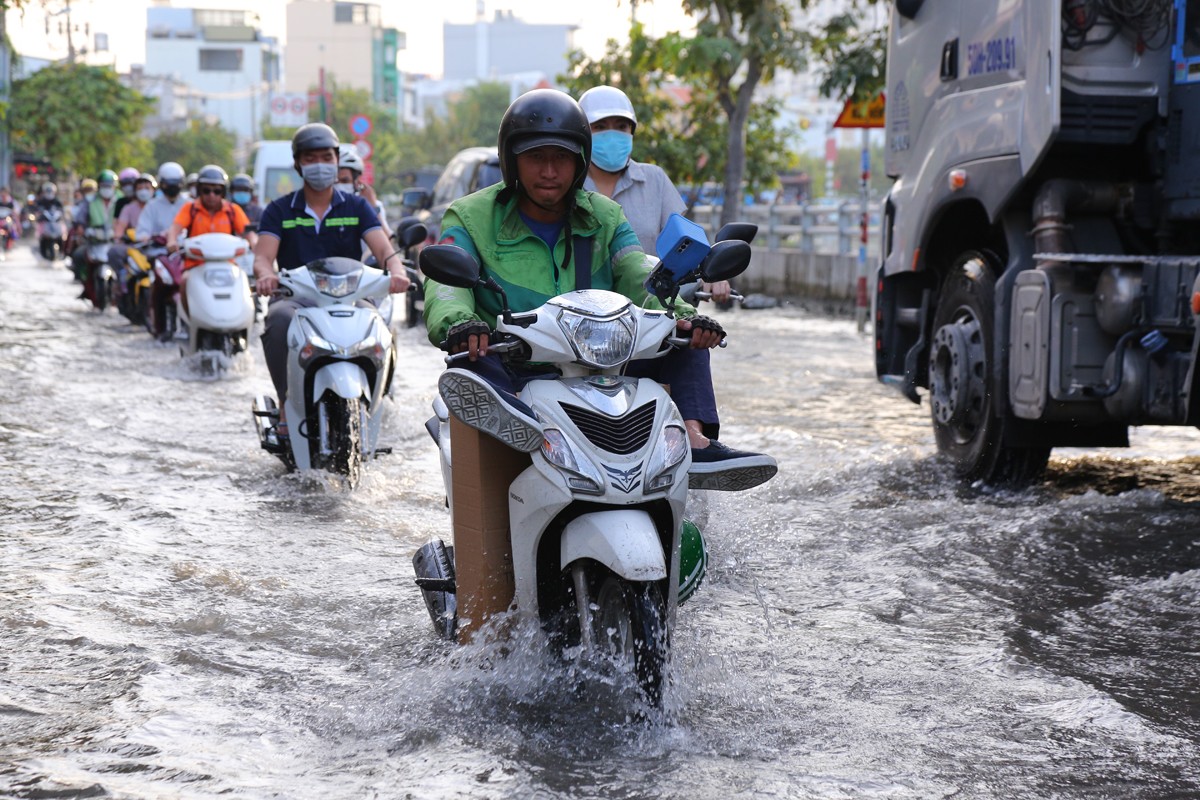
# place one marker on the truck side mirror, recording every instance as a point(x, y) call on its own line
point(909, 8)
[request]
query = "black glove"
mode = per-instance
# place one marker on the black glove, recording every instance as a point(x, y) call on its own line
point(707, 324)
point(459, 335)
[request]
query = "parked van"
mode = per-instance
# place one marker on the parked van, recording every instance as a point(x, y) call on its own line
point(271, 166)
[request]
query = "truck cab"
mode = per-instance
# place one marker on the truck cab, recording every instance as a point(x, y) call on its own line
point(1040, 243)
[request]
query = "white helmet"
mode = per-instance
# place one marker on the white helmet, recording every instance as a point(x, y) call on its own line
point(350, 158)
point(169, 171)
point(601, 102)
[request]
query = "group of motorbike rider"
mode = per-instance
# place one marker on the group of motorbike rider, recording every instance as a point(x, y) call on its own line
point(520, 230)
point(140, 210)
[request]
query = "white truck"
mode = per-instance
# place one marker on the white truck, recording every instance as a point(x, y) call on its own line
point(1041, 241)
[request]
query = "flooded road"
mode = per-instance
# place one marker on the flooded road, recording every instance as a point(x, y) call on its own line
point(181, 618)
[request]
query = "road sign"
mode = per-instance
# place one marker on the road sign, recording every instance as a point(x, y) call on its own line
point(364, 149)
point(360, 125)
point(862, 115)
point(289, 109)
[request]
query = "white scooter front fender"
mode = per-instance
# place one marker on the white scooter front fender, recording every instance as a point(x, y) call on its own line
point(345, 378)
point(624, 540)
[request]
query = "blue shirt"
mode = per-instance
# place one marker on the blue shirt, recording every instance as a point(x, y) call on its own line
point(300, 240)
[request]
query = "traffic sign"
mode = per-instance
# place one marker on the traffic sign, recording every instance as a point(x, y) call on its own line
point(862, 115)
point(288, 109)
point(364, 148)
point(360, 125)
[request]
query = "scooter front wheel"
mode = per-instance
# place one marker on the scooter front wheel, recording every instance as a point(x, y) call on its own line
point(341, 437)
point(627, 620)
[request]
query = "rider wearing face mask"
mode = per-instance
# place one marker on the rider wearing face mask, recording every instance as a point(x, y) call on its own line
point(96, 211)
point(141, 192)
point(127, 178)
point(644, 191)
point(155, 220)
point(316, 221)
point(350, 170)
point(241, 191)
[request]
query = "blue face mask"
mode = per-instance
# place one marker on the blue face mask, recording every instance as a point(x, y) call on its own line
point(611, 150)
point(241, 198)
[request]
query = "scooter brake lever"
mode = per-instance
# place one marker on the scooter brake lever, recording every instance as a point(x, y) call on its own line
point(708, 296)
point(683, 342)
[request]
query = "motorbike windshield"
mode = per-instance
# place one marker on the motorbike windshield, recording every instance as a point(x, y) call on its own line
point(336, 277)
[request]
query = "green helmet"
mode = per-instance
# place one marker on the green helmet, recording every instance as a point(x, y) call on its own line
point(693, 559)
point(106, 177)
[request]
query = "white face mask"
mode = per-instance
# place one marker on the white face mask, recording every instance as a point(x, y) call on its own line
point(90, 196)
point(107, 192)
point(348, 188)
point(144, 195)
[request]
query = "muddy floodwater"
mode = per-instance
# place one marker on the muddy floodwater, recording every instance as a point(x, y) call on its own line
point(181, 618)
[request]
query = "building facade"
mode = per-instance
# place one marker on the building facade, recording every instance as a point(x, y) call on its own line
point(229, 67)
point(343, 41)
point(491, 50)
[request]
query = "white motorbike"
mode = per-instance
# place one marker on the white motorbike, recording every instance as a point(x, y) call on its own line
point(339, 367)
point(218, 312)
point(596, 519)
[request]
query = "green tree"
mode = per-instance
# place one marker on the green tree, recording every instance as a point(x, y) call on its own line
point(80, 117)
point(198, 144)
point(685, 136)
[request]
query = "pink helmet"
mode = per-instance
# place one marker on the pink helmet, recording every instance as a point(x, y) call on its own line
point(128, 175)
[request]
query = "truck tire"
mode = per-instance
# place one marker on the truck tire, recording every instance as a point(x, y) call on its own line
point(963, 384)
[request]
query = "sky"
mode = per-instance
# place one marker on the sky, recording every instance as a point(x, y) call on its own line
point(421, 21)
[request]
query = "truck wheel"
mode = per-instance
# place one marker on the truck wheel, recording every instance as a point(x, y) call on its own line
point(963, 384)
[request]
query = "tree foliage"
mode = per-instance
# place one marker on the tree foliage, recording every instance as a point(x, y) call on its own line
point(722, 130)
point(682, 130)
point(198, 144)
point(80, 117)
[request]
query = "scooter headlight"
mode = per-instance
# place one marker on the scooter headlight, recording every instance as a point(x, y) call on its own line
point(581, 473)
point(315, 345)
point(600, 342)
point(370, 347)
point(668, 453)
point(218, 278)
point(336, 285)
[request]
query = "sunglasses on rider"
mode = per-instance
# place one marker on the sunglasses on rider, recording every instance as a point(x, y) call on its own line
point(212, 190)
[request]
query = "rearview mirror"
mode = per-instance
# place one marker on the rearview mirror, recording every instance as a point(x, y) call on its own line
point(416, 198)
point(410, 231)
point(726, 260)
point(451, 265)
point(741, 231)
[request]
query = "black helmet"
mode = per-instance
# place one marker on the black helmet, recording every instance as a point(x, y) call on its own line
point(243, 182)
point(313, 136)
point(212, 174)
point(541, 117)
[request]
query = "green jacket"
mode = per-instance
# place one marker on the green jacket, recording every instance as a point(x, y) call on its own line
point(487, 225)
point(99, 214)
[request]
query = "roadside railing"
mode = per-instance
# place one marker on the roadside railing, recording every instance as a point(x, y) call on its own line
point(811, 228)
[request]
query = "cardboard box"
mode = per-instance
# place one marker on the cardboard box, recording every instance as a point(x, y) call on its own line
point(483, 565)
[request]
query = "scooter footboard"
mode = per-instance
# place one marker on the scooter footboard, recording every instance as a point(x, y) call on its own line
point(624, 540)
point(345, 378)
